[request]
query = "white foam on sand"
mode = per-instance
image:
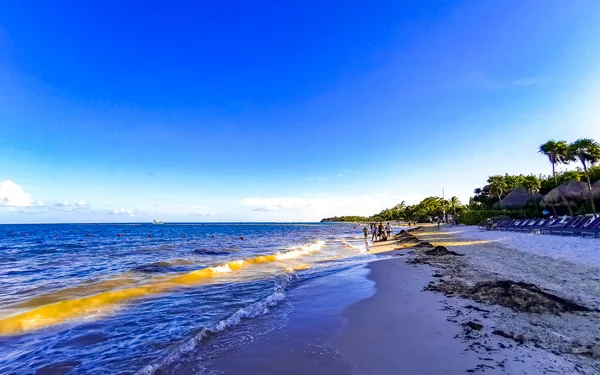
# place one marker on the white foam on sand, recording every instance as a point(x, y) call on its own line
point(585, 251)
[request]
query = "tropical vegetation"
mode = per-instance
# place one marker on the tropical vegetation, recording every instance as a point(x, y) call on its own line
point(490, 199)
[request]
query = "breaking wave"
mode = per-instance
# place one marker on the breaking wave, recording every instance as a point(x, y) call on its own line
point(256, 309)
point(63, 310)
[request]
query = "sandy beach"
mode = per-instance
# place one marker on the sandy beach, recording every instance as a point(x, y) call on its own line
point(413, 324)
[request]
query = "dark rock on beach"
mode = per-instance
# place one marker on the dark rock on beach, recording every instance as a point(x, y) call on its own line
point(522, 297)
point(518, 296)
point(424, 244)
point(441, 251)
point(474, 326)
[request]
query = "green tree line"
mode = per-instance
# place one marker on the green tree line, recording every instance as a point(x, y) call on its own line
point(488, 200)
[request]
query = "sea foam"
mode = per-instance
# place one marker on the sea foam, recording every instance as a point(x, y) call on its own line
point(301, 250)
point(253, 310)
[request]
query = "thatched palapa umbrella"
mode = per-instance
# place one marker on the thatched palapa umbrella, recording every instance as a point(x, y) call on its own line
point(596, 189)
point(553, 199)
point(518, 198)
point(574, 191)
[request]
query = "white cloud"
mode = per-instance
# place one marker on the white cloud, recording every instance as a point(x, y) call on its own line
point(71, 207)
point(204, 214)
point(274, 204)
point(264, 209)
point(317, 206)
point(13, 195)
point(123, 212)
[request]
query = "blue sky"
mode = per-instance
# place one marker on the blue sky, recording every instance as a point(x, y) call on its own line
point(279, 111)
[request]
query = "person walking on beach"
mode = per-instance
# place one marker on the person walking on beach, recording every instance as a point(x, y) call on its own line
point(366, 232)
point(388, 230)
point(373, 232)
point(381, 232)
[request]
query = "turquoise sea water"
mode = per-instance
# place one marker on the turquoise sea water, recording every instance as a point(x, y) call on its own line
point(141, 298)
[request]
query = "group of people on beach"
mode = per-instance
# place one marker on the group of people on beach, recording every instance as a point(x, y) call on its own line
point(379, 232)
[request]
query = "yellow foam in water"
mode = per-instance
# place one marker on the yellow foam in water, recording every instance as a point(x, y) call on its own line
point(77, 291)
point(61, 311)
point(127, 279)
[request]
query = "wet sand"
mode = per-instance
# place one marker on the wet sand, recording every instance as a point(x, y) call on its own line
point(400, 329)
point(403, 329)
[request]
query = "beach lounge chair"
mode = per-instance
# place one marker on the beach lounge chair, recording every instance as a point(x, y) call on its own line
point(592, 228)
point(555, 223)
point(570, 223)
point(508, 225)
point(500, 224)
point(575, 227)
point(504, 224)
point(547, 224)
point(527, 227)
point(524, 225)
point(539, 225)
point(515, 226)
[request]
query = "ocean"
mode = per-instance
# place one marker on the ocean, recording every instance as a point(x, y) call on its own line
point(145, 299)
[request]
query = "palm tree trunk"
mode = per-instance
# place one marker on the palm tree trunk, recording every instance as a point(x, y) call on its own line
point(589, 187)
point(566, 203)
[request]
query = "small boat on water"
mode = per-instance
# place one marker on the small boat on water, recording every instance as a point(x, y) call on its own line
point(157, 222)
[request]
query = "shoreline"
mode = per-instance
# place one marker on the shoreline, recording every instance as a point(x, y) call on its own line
point(406, 326)
point(400, 329)
point(517, 291)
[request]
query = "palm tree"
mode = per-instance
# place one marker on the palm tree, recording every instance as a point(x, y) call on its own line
point(454, 204)
point(587, 151)
point(557, 152)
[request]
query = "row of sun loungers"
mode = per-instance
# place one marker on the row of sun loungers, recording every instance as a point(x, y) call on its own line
point(574, 226)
